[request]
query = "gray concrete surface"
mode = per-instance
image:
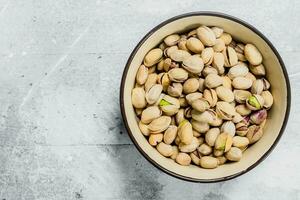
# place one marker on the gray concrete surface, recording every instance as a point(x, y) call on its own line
point(61, 133)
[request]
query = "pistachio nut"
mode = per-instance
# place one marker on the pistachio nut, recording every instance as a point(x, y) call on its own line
point(209, 70)
point(257, 86)
point(200, 104)
point(162, 46)
point(190, 85)
point(225, 110)
point(211, 96)
point(240, 142)
point(177, 140)
point(238, 70)
point(206, 35)
point(221, 160)
point(242, 109)
point(182, 44)
point(196, 134)
point(204, 149)
point(178, 75)
point(200, 126)
point(175, 89)
point(230, 57)
point(164, 149)
point(153, 93)
point(239, 48)
point(258, 117)
point(254, 133)
point(150, 113)
point(255, 102)
point(241, 96)
point(169, 105)
point(241, 128)
point(207, 55)
point(188, 112)
point(175, 152)
point(154, 139)
point(228, 127)
point(237, 118)
point(225, 94)
point(192, 33)
point(241, 83)
point(266, 84)
point(227, 82)
point(170, 134)
point(151, 80)
point(160, 124)
point(169, 64)
point(172, 39)
point(179, 116)
point(153, 57)
point(217, 31)
point(187, 148)
point(223, 142)
point(252, 54)
point(211, 136)
point(219, 45)
point(193, 64)
point(234, 154)
point(195, 158)
point(179, 55)
point(169, 50)
point(164, 80)
point(160, 65)
point(194, 45)
point(144, 129)
point(151, 69)
point(201, 85)
point(217, 122)
point(138, 98)
point(213, 81)
point(226, 38)
point(258, 70)
point(183, 102)
point(185, 132)
point(183, 159)
point(218, 63)
point(218, 152)
point(268, 99)
point(207, 116)
point(142, 75)
point(208, 162)
point(173, 121)
point(193, 96)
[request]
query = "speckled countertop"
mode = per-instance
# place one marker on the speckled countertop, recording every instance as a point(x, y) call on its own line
point(61, 132)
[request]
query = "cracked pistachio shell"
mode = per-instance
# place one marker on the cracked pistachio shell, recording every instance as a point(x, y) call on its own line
point(206, 36)
point(179, 55)
point(138, 98)
point(252, 54)
point(211, 136)
point(254, 133)
point(239, 48)
point(168, 64)
point(178, 75)
point(183, 159)
point(230, 57)
point(207, 55)
point(268, 99)
point(170, 134)
point(241, 83)
point(154, 139)
point(192, 33)
point(223, 142)
point(218, 63)
point(257, 86)
point(217, 122)
point(175, 89)
point(185, 132)
point(228, 127)
point(200, 104)
point(164, 149)
point(227, 82)
point(258, 117)
point(242, 109)
point(169, 105)
point(169, 50)
point(196, 134)
point(258, 70)
point(175, 152)
point(160, 65)
point(213, 80)
point(188, 148)
point(172, 39)
point(194, 45)
point(150, 113)
point(225, 110)
point(142, 75)
point(200, 126)
point(238, 70)
point(195, 158)
point(241, 96)
point(190, 85)
point(241, 128)
point(163, 79)
point(179, 116)
point(201, 84)
point(208, 162)
point(237, 118)
point(266, 84)
point(193, 64)
point(219, 46)
point(182, 44)
point(153, 57)
point(226, 38)
point(204, 149)
point(153, 93)
point(188, 112)
point(144, 128)
point(193, 96)
point(225, 94)
point(160, 124)
point(151, 80)
point(217, 31)
point(209, 70)
point(221, 160)
point(211, 96)
point(255, 102)
point(207, 116)
point(183, 102)
point(240, 142)
point(234, 154)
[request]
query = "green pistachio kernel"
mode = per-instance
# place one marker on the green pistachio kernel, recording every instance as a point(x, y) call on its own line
point(164, 103)
point(254, 102)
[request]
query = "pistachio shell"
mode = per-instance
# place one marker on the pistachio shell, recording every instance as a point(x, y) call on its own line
point(150, 113)
point(211, 96)
point(179, 55)
point(168, 51)
point(194, 45)
point(193, 96)
point(230, 57)
point(223, 142)
point(252, 54)
point(208, 162)
point(266, 84)
point(190, 85)
point(204, 149)
point(193, 64)
point(138, 111)
point(153, 57)
point(218, 63)
point(169, 105)
point(187, 148)
point(170, 134)
point(257, 86)
point(183, 102)
point(179, 116)
point(241, 96)
point(268, 99)
point(219, 46)
point(195, 159)
point(225, 94)
point(178, 75)
point(242, 110)
point(226, 38)
point(228, 127)
point(217, 122)
point(225, 110)
point(227, 82)
point(254, 133)
point(144, 129)
point(183, 159)
point(207, 116)
point(209, 70)
point(240, 142)
point(206, 35)
point(175, 152)
point(237, 118)
point(185, 132)
point(175, 89)
point(258, 70)
point(199, 126)
point(255, 102)
point(241, 83)
point(200, 104)
point(164, 149)
point(188, 112)
point(217, 31)
point(154, 139)
point(153, 93)
point(258, 117)
point(211, 136)
point(138, 98)
point(201, 85)
point(160, 124)
point(207, 55)
point(238, 70)
point(172, 39)
point(142, 75)
point(234, 154)
point(151, 80)
point(196, 134)
point(221, 160)
point(213, 80)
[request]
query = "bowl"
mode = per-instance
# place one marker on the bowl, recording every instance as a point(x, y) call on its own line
point(276, 74)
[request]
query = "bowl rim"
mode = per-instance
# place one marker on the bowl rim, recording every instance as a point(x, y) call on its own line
point(216, 14)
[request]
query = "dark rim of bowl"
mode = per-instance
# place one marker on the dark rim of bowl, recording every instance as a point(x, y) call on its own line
point(205, 13)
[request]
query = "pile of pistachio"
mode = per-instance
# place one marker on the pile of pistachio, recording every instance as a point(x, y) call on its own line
point(202, 97)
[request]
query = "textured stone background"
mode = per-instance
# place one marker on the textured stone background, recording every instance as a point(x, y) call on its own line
point(61, 133)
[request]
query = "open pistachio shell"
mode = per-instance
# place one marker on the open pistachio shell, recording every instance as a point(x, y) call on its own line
point(241, 96)
point(223, 142)
point(230, 57)
point(255, 102)
point(151, 80)
point(241, 83)
point(201, 127)
point(225, 94)
point(226, 38)
point(169, 105)
point(193, 64)
point(175, 89)
point(194, 45)
point(144, 128)
point(213, 81)
point(172, 39)
point(206, 35)
point(211, 96)
point(211, 136)
point(238, 70)
point(179, 55)
point(217, 31)
point(204, 149)
point(153, 93)
point(150, 113)
point(193, 96)
point(207, 55)
point(187, 148)
point(190, 85)
point(178, 75)
point(268, 99)
point(207, 116)
point(142, 75)
point(258, 117)
point(185, 132)
point(225, 110)
point(153, 57)
point(252, 54)
point(242, 109)
point(254, 133)
point(200, 104)
point(170, 134)
point(234, 154)
point(219, 45)
point(228, 127)
point(257, 86)
point(138, 98)
point(160, 124)
point(218, 63)
point(258, 70)
point(209, 162)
